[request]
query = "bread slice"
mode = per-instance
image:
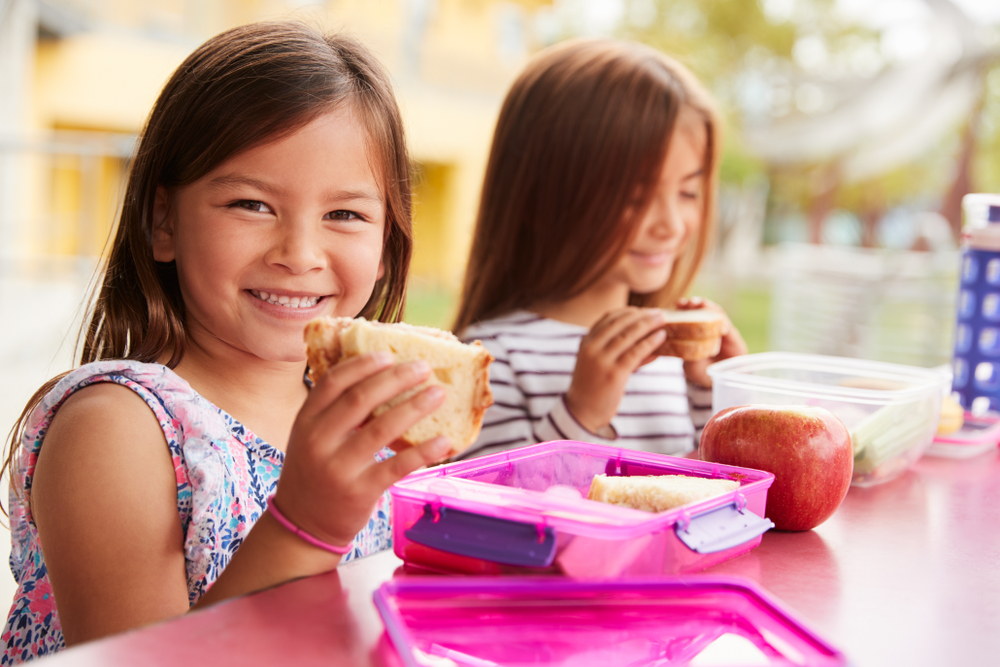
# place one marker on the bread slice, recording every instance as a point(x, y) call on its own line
point(692, 334)
point(657, 493)
point(462, 370)
point(690, 350)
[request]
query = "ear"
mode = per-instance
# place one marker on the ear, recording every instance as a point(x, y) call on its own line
point(163, 227)
point(381, 270)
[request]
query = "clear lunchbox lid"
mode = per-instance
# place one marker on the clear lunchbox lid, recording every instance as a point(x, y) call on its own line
point(827, 377)
point(514, 621)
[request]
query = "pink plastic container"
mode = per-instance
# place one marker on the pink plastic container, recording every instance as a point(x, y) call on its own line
point(525, 511)
point(489, 621)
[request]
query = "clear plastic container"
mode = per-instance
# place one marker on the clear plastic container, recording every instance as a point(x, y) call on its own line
point(525, 511)
point(978, 435)
point(891, 410)
point(511, 621)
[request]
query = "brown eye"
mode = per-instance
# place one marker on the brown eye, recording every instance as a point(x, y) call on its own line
point(343, 215)
point(251, 205)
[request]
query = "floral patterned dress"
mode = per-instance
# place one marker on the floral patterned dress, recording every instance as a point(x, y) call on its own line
point(225, 477)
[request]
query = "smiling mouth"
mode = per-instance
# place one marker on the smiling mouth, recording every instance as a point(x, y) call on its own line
point(652, 256)
point(287, 301)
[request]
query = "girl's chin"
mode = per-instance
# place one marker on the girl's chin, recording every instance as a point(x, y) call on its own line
point(647, 284)
point(278, 348)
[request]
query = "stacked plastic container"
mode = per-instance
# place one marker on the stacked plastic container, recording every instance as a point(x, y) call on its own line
point(602, 588)
point(977, 333)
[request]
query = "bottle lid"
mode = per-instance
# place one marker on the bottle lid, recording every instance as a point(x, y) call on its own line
point(980, 210)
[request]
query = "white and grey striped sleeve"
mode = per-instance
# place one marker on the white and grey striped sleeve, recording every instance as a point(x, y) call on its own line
point(514, 419)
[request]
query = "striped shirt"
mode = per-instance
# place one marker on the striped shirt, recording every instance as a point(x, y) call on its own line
point(534, 362)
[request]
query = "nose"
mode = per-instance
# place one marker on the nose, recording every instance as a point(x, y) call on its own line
point(667, 217)
point(295, 246)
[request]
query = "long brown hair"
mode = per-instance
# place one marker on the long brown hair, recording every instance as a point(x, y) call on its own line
point(583, 127)
point(242, 88)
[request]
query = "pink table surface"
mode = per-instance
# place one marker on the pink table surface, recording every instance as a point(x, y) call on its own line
point(906, 573)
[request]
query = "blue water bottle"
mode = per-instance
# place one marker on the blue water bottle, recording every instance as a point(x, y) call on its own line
point(977, 331)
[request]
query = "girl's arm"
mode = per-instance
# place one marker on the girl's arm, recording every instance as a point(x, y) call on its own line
point(104, 499)
point(104, 496)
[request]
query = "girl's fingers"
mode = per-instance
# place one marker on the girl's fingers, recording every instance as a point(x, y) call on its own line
point(693, 303)
point(389, 472)
point(389, 426)
point(632, 332)
point(355, 405)
point(609, 323)
point(642, 352)
point(613, 328)
point(341, 377)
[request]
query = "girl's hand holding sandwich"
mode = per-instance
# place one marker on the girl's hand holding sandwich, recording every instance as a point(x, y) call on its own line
point(733, 344)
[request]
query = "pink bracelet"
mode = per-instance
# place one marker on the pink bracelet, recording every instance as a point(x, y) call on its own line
point(298, 532)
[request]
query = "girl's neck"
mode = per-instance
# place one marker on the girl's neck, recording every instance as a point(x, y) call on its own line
point(586, 308)
point(262, 395)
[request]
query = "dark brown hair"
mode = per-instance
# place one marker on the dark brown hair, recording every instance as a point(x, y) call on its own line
point(242, 88)
point(583, 127)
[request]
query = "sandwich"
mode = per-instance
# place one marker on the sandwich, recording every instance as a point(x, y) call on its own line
point(657, 493)
point(692, 334)
point(461, 369)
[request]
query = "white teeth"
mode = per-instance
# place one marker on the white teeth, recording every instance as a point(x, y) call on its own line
point(286, 301)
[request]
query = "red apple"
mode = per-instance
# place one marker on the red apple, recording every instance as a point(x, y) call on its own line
point(808, 449)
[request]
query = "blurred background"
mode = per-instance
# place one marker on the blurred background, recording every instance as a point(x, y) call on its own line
point(854, 128)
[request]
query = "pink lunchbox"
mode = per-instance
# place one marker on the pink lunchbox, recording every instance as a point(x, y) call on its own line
point(525, 511)
point(512, 621)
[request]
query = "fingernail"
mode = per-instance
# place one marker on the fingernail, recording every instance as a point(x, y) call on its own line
point(420, 368)
point(383, 358)
point(440, 446)
point(430, 396)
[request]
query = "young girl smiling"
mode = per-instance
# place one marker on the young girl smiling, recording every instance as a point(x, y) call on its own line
point(596, 211)
point(270, 186)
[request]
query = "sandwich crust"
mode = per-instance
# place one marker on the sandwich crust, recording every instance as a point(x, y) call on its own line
point(692, 334)
point(461, 369)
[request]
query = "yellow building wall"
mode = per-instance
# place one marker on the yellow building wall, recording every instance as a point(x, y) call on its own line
point(449, 66)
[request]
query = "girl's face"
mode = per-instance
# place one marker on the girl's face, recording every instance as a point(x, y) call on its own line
point(276, 235)
point(674, 213)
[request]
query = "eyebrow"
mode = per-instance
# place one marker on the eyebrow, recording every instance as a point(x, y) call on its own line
point(366, 194)
point(694, 174)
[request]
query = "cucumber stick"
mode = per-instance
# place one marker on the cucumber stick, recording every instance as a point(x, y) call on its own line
point(888, 432)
